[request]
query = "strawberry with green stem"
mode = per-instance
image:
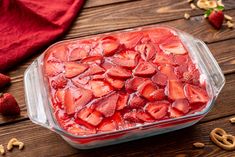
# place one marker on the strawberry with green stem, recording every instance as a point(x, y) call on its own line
point(215, 16)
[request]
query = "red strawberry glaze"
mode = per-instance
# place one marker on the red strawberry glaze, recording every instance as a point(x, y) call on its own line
point(115, 82)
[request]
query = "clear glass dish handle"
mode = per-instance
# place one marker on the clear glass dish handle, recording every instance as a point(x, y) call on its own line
point(35, 97)
point(211, 66)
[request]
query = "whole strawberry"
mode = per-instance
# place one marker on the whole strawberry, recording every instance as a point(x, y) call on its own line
point(4, 80)
point(8, 105)
point(216, 18)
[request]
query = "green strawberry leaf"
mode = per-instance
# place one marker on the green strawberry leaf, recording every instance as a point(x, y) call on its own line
point(220, 7)
point(208, 12)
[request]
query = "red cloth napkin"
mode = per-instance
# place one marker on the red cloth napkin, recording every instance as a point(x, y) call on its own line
point(27, 25)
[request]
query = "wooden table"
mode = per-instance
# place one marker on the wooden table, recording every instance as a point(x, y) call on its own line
point(100, 16)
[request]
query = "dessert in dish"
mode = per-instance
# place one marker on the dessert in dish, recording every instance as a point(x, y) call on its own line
point(121, 80)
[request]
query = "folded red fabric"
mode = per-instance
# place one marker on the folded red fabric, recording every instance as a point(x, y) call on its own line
point(27, 25)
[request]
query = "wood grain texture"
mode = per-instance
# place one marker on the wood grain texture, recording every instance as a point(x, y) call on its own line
point(41, 142)
point(138, 13)
point(98, 3)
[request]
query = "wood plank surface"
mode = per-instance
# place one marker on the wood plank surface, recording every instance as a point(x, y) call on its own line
point(44, 143)
point(95, 3)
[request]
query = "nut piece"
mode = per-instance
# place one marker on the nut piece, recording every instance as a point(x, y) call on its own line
point(222, 139)
point(220, 3)
point(10, 143)
point(227, 17)
point(192, 6)
point(232, 120)
point(186, 16)
point(199, 145)
point(230, 24)
point(2, 150)
point(206, 4)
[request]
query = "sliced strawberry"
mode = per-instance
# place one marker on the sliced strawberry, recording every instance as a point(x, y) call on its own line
point(157, 109)
point(175, 90)
point(147, 90)
point(92, 59)
point(78, 54)
point(119, 72)
point(81, 130)
point(99, 77)
point(59, 96)
point(160, 79)
point(130, 39)
point(117, 117)
point(122, 101)
point(158, 94)
point(180, 70)
point(181, 105)
point(73, 69)
point(116, 83)
point(59, 82)
point(160, 34)
point(110, 45)
point(86, 96)
point(107, 125)
point(180, 59)
point(107, 105)
point(107, 65)
point(162, 59)
point(53, 68)
point(133, 83)
point(90, 116)
point(69, 102)
point(78, 81)
point(147, 51)
point(8, 105)
point(126, 59)
point(173, 45)
point(100, 88)
point(60, 52)
point(131, 116)
point(145, 117)
point(136, 102)
point(144, 69)
point(168, 70)
point(174, 113)
point(196, 94)
point(93, 69)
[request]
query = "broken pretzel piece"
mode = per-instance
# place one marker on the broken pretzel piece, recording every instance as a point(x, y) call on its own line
point(186, 16)
point(222, 139)
point(198, 145)
point(232, 120)
point(14, 142)
point(2, 150)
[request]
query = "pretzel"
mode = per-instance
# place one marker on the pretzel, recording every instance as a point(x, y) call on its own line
point(222, 139)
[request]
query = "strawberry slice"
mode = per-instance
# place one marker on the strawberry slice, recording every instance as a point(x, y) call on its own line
point(131, 116)
point(59, 82)
point(122, 101)
point(147, 90)
point(157, 109)
point(116, 83)
point(136, 102)
point(175, 90)
point(133, 83)
point(174, 113)
point(130, 39)
point(8, 105)
point(69, 102)
point(59, 96)
point(73, 69)
point(107, 105)
point(119, 72)
point(81, 130)
point(100, 88)
point(110, 45)
point(147, 51)
point(107, 125)
point(90, 116)
point(127, 59)
point(93, 69)
point(180, 70)
point(168, 70)
point(53, 68)
point(158, 94)
point(180, 59)
point(161, 59)
point(173, 45)
point(144, 69)
point(117, 117)
point(196, 94)
point(60, 52)
point(86, 96)
point(107, 65)
point(78, 54)
point(181, 105)
point(160, 79)
point(78, 81)
point(145, 117)
point(92, 60)
point(160, 34)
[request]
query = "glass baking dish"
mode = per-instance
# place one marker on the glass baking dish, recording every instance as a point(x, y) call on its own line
point(39, 100)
